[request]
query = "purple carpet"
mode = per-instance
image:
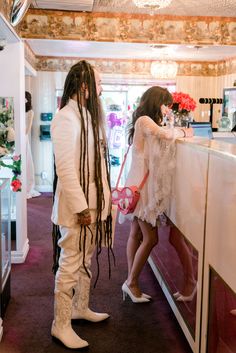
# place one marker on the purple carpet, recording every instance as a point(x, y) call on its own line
point(132, 328)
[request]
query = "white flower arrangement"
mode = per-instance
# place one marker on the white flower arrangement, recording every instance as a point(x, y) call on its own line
point(7, 133)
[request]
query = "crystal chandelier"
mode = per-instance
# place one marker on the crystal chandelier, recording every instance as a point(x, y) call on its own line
point(152, 4)
point(164, 69)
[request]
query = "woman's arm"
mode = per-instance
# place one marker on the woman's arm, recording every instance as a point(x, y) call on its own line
point(149, 127)
point(29, 121)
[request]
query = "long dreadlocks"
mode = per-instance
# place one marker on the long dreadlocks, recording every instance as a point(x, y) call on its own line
point(82, 75)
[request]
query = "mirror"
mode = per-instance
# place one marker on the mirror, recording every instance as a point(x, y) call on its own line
point(19, 8)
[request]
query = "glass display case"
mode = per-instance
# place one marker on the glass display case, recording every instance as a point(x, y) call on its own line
point(177, 261)
point(6, 173)
point(221, 336)
point(5, 244)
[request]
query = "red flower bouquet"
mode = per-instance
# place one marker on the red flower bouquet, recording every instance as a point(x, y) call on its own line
point(16, 185)
point(182, 103)
point(16, 171)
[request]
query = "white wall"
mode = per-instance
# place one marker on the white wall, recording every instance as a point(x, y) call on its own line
point(43, 91)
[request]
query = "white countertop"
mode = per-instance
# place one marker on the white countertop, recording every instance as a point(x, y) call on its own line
point(221, 148)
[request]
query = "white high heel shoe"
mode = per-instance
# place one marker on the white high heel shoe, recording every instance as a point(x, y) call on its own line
point(144, 295)
point(188, 298)
point(126, 291)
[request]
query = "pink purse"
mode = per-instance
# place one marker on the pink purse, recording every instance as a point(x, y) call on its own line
point(127, 198)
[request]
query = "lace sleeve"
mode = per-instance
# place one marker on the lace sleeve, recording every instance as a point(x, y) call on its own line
point(148, 127)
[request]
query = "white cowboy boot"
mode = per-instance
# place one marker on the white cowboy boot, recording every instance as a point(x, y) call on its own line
point(61, 326)
point(80, 309)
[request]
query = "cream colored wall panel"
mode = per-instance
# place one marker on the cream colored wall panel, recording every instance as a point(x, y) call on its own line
point(221, 218)
point(199, 87)
point(205, 87)
point(190, 183)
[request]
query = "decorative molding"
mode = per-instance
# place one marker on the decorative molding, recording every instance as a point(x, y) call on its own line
point(30, 56)
point(5, 8)
point(140, 28)
point(137, 68)
point(198, 68)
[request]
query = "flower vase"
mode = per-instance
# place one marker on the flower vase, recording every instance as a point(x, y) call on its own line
point(182, 119)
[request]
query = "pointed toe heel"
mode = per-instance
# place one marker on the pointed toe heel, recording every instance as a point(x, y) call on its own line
point(187, 298)
point(147, 296)
point(126, 291)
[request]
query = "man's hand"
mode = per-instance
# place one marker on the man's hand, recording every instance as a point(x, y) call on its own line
point(84, 217)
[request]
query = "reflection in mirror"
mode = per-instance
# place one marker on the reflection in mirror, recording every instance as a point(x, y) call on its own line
point(19, 8)
point(221, 333)
point(177, 261)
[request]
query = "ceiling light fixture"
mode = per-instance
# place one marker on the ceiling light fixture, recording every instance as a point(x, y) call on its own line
point(164, 69)
point(152, 4)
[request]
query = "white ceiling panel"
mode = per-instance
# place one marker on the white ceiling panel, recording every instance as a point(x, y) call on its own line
point(118, 50)
point(76, 5)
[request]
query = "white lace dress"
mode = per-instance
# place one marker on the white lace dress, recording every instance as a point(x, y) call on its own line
point(153, 149)
point(30, 186)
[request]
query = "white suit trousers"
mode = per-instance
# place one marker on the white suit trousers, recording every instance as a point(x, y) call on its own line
point(71, 266)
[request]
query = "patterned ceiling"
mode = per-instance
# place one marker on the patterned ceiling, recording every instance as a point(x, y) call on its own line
point(178, 7)
point(225, 8)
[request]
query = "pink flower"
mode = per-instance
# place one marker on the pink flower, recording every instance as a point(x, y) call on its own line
point(16, 185)
point(16, 158)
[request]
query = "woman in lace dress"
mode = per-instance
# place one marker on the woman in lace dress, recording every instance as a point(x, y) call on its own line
point(153, 150)
point(29, 115)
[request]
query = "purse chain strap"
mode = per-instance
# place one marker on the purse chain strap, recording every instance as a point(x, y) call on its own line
point(121, 170)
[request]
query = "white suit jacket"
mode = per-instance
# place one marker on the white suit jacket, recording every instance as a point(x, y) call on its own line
point(69, 198)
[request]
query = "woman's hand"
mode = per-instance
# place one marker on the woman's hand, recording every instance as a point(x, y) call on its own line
point(187, 132)
point(84, 217)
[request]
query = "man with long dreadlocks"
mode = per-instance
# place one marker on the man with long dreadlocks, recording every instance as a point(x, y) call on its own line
point(82, 203)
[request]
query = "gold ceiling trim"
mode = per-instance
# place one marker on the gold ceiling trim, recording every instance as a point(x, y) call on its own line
point(30, 55)
point(139, 28)
point(5, 8)
point(137, 68)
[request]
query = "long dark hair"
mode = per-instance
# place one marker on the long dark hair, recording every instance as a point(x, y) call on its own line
point(82, 75)
point(150, 105)
point(28, 103)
